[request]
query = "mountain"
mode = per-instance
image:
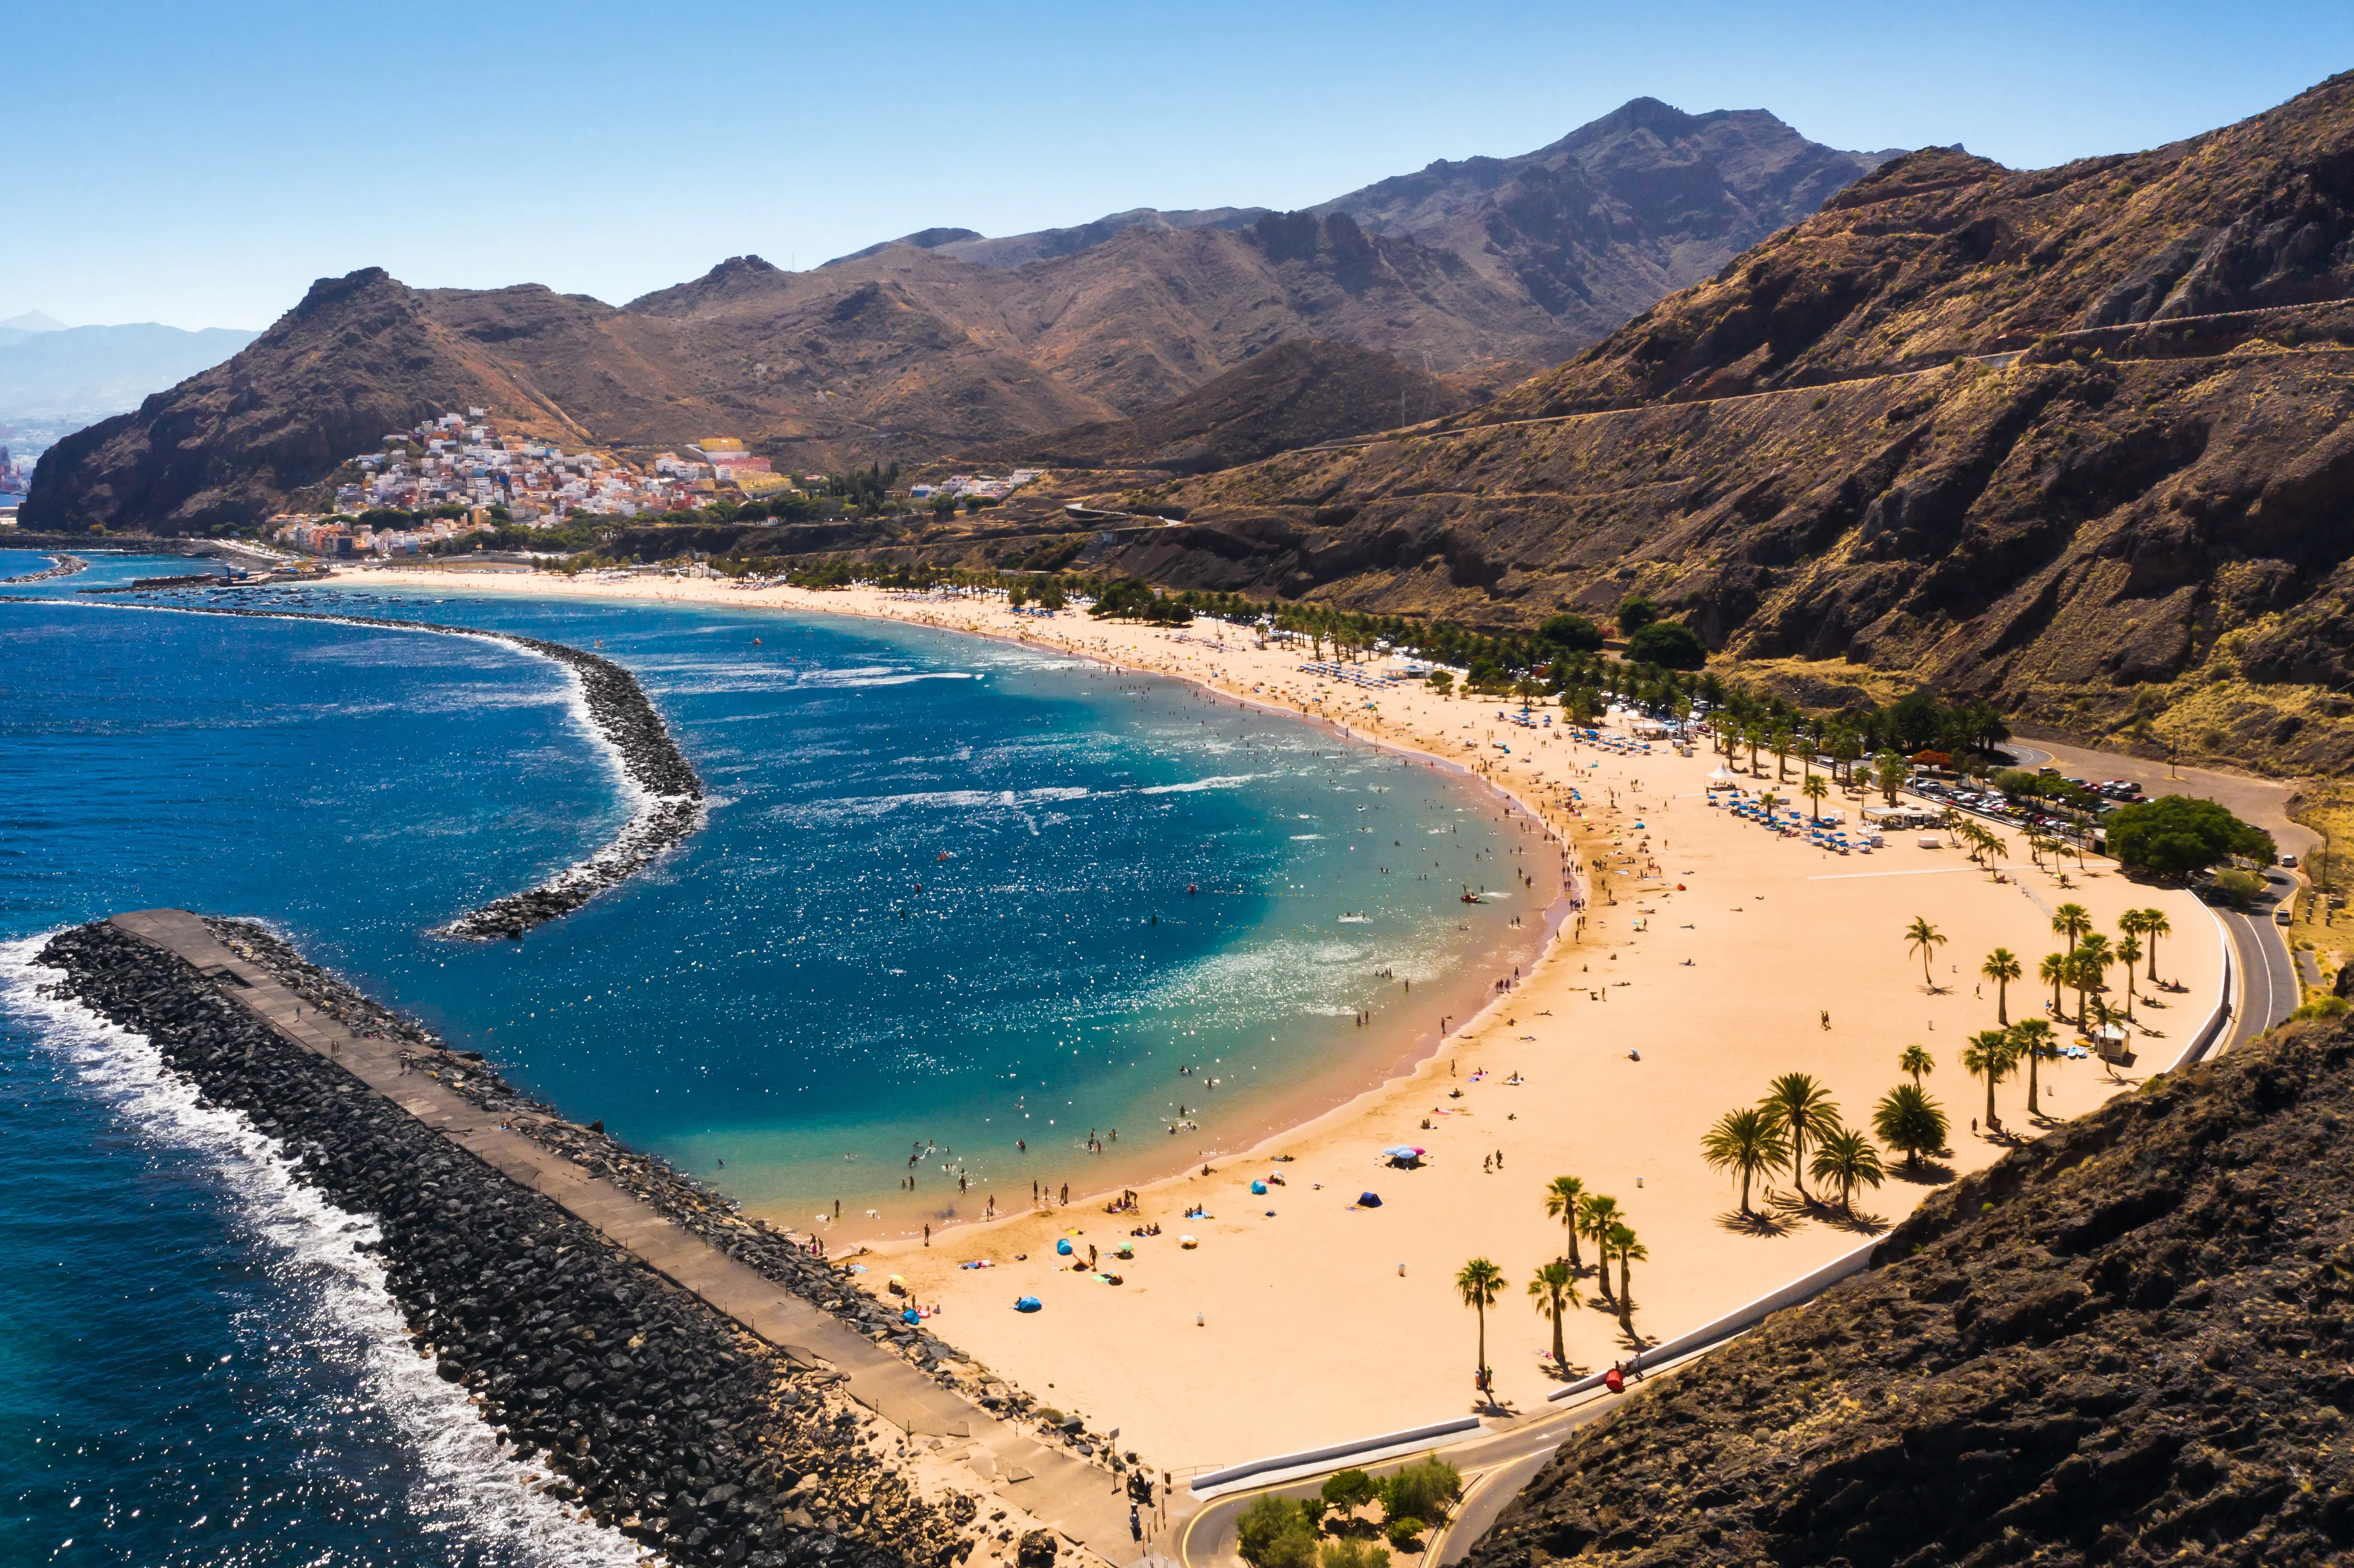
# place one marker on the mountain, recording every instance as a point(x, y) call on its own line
point(1301, 391)
point(2075, 440)
point(1646, 200)
point(2123, 1343)
point(947, 341)
point(32, 322)
point(92, 371)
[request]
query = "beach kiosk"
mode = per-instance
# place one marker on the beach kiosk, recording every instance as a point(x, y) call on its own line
point(2109, 1040)
point(1723, 779)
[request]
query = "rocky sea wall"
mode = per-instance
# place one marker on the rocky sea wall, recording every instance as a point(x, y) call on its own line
point(668, 797)
point(60, 565)
point(658, 1415)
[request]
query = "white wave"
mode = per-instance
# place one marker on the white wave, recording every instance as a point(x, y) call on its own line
point(816, 811)
point(465, 1482)
point(1222, 781)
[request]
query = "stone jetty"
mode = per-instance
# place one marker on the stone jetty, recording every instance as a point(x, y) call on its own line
point(60, 565)
point(697, 1380)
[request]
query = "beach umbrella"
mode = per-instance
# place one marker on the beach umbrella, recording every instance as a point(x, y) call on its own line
point(1026, 1304)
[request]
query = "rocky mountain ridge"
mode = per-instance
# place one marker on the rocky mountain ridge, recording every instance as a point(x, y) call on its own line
point(909, 352)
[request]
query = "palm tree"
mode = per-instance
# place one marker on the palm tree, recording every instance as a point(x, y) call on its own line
point(2002, 966)
point(2054, 968)
point(2070, 921)
point(2092, 961)
point(1846, 1160)
point(1595, 1214)
point(1800, 1110)
point(2128, 951)
point(1781, 747)
point(2154, 924)
point(1767, 802)
point(2035, 1041)
point(1554, 1290)
point(1747, 1142)
point(1479, 1282)
point(1814, 788)
point(1561, 1203)
point(1925, 939)
point(1989, 1056)
point(1916, 1060)
point(1629, 1251)
point(1908, 1119)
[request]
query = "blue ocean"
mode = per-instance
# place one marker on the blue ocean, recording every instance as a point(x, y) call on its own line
point(961, 912)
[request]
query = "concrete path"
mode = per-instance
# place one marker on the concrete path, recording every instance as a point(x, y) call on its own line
point(1086, 1504)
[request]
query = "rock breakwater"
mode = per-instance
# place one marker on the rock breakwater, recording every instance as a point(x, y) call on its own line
point(60, 565)
point(776, 1254)
point(653, 1413)
point(2128, 1342)
point(668, 797)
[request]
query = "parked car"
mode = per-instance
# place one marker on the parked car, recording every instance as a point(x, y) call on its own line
point(2289, 861)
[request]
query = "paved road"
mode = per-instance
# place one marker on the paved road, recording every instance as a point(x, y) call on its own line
point(2269, 990)
point(1496, 1465)
point(2263, 801)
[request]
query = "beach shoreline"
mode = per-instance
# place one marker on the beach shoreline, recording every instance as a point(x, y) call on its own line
point(1279, 1114)
point(1710, 955)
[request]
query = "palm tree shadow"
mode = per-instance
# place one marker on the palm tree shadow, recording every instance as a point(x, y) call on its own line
point(1753, 1223)
point(1789, 1208)
point(1928, 1173)
point(1860, 1224)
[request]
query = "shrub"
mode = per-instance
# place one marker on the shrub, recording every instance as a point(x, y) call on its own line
point(1275, 1532)
point(1421, 1490)
point(1635, 612)
point(1668, 644)
point(2325, 1007)
point(2175, 835)
point(2237, 887)
point(1351, 1553)
point(1404, 1532)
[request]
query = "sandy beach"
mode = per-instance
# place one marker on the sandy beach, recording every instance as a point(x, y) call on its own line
point(1714, 956)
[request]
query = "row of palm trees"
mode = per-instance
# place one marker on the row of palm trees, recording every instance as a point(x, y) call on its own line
point(1595, 1216)
point(1773, 1135)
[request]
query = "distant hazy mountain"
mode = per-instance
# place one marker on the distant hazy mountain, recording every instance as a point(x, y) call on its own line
point(94, 371)
point(16, 329)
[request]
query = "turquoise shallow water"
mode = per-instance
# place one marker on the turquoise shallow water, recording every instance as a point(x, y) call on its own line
point(941, 902)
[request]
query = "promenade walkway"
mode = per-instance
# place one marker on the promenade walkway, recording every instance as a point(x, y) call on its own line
point(1084, 1504)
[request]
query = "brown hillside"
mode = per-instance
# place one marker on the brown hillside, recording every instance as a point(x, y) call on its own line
point(2125, 1343)
point(2131, 526)
point(1294, 395)
point(1938, 253)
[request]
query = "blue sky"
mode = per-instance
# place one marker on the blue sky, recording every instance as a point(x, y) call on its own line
point(200, 164)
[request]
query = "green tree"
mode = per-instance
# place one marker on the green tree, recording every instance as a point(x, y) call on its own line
point(1630, 1251)
point(1349, 1490)
point(2154, 924)
point(1562, 1194)
point(1554, 1289)
point(1925, 939)
point(1990, 1055)
point(1908, 1120)
point(1800, 1108)
point(2053, 971)
point(1890, 770)
point(1916, 1060)
point(2175, 835)
point(1597, 1213)
point(1422, 1491)
point(1635, 612)
point(1814, 787)
point(2002, 966)
point(2070, 921)
point(1846, 1159)
point(2035, 1044)
point(1350, 1552)
point(1442, 682)
point(1572, 633)
point(2128, 951)
point(1749, 1143)
point(1670, 644)
point(1480, 1283)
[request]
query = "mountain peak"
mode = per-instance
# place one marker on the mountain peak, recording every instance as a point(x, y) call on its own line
point(34, 321)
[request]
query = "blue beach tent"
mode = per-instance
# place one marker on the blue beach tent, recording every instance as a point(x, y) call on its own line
point(1026, 1304)
point(1063, 1248)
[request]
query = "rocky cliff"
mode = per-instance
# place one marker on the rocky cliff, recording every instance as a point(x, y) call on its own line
point(2125, 1343)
